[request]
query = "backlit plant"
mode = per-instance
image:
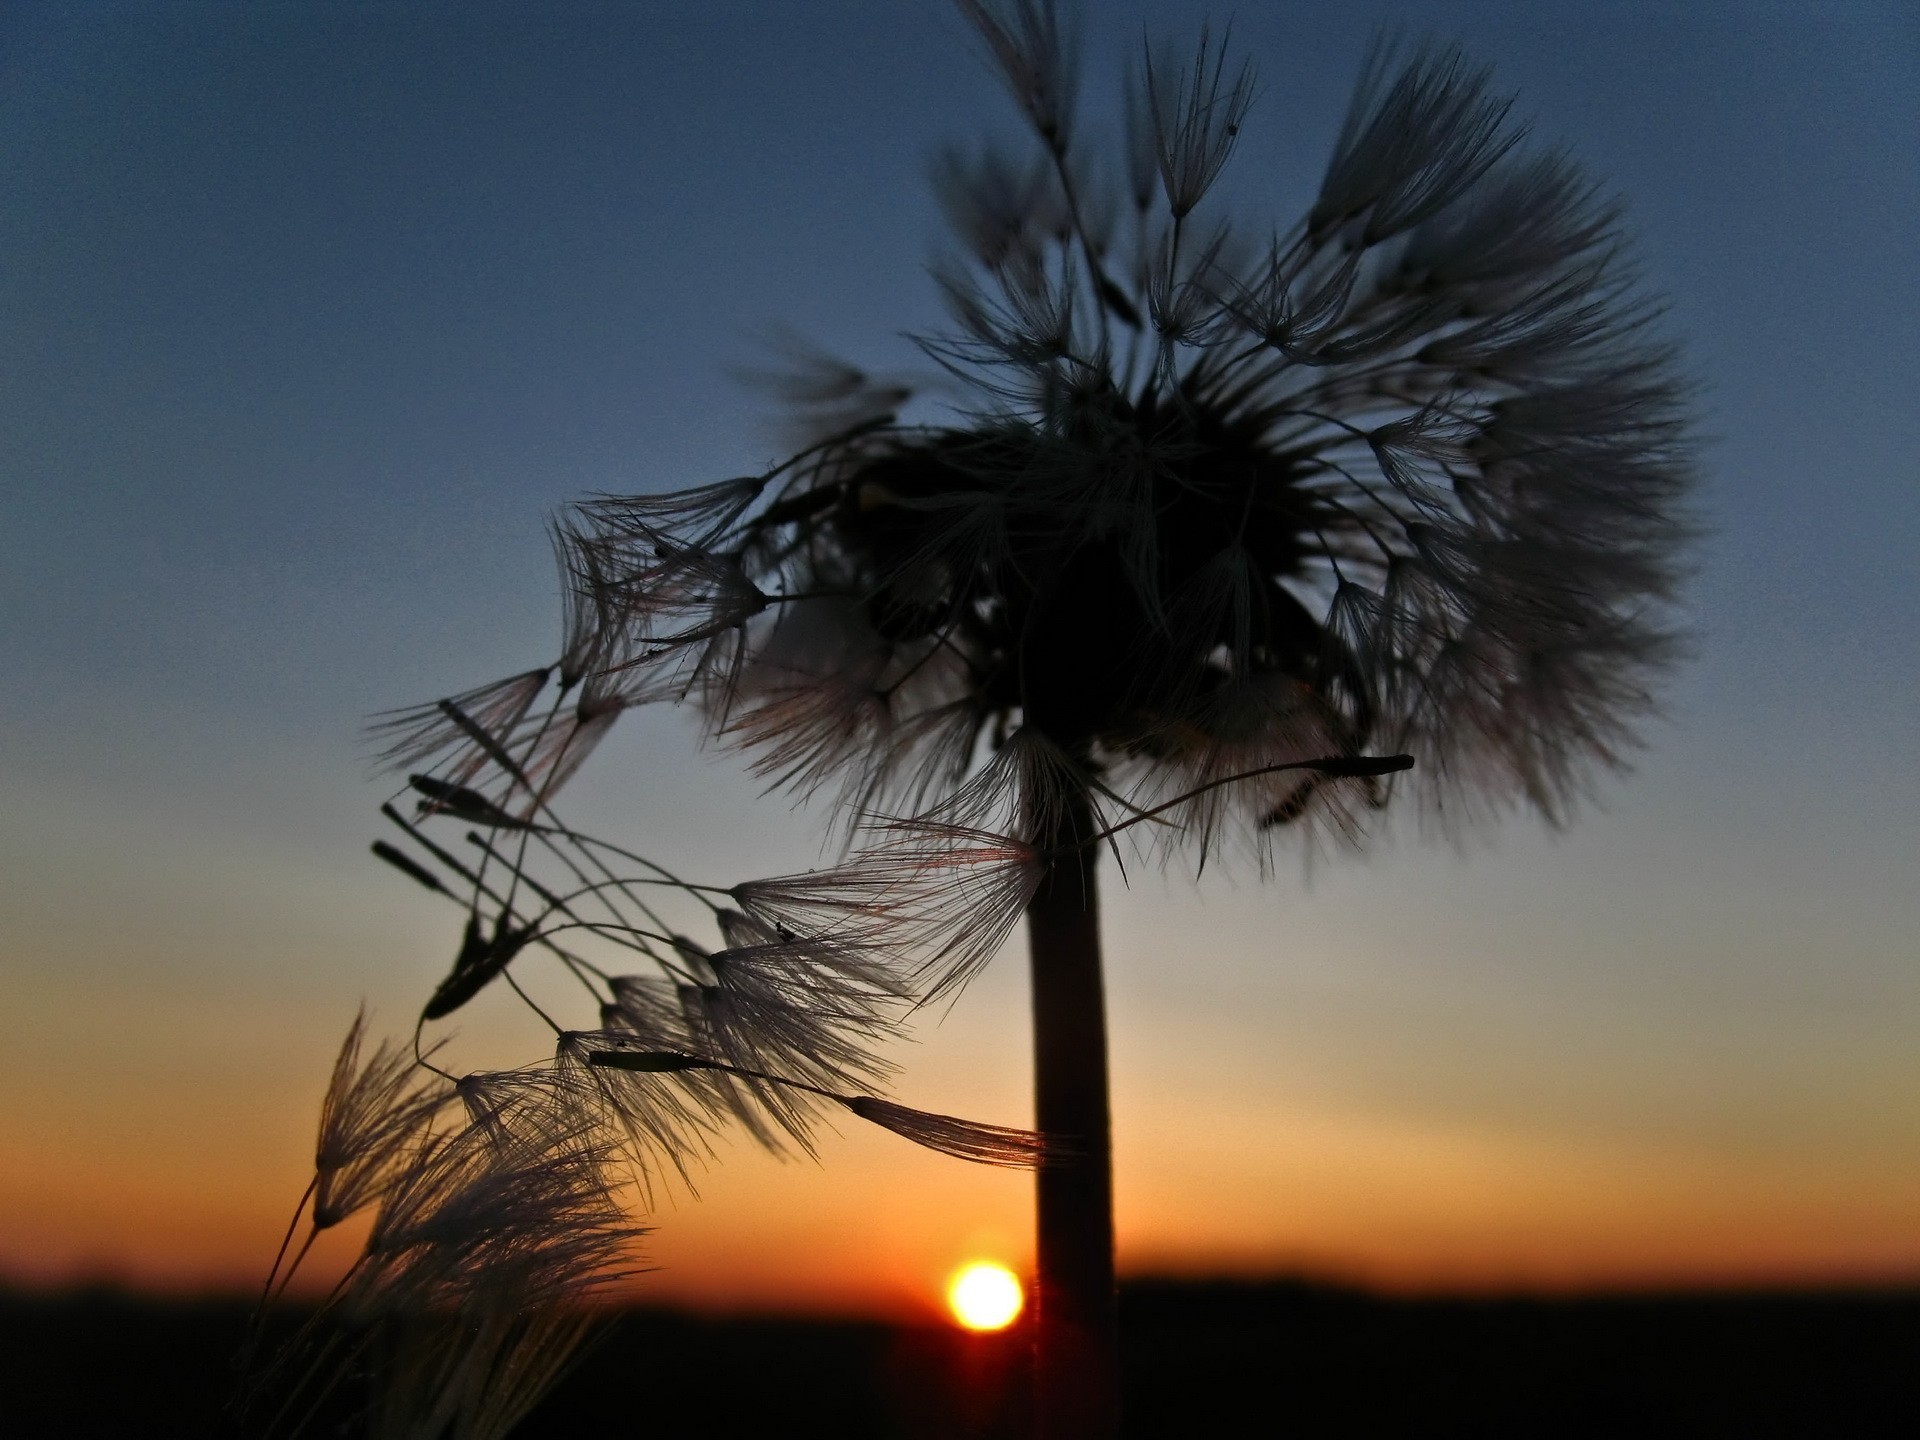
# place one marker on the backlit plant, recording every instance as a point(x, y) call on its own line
point(1239, 533)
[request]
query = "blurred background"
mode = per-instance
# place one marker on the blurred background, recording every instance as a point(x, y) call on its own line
point(311, 313)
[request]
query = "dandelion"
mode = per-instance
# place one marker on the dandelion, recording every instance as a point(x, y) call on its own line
point(1242, 533)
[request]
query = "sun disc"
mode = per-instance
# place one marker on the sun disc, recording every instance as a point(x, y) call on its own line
point(985, 1296)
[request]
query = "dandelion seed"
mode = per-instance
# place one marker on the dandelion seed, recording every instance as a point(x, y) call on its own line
point(963, 1139)
point(464, 733)
point(1034, 52)
point(481, 960)
point(408, 866)
point(373, 1112)
point(695, 518)
point(1411, 146)
point(943, 893)
point(459, 801)
point(1195, 122)
point(667, 1124)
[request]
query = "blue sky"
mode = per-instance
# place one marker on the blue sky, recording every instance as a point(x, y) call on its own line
point(309, 314)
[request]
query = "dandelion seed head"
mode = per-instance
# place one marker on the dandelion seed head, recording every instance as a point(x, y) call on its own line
point(1411, 476)
point(1230, 522)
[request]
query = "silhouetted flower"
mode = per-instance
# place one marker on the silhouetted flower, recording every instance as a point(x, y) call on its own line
point(1407, 477)
point(1236, 530)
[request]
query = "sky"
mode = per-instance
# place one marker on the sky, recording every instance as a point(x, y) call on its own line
point(311, 314)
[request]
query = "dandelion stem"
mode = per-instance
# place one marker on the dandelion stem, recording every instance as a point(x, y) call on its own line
point(506, 974)
point(300, 1255)
point(1076, 1344)
point(258, 1318)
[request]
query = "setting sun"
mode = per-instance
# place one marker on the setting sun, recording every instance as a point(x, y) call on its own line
point(985, 1296)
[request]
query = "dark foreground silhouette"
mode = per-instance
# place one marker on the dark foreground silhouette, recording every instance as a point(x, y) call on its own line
point(1205, 1360)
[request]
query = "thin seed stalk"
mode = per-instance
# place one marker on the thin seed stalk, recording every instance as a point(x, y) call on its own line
point(1076, 1344)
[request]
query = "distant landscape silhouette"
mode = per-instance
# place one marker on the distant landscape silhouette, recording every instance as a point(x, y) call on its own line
point(1274, 1358)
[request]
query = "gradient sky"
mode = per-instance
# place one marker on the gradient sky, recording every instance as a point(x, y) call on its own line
point(309, 314)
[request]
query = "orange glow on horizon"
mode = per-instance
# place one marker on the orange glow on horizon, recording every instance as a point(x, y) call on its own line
point(184, 1182)
point(985, 1296)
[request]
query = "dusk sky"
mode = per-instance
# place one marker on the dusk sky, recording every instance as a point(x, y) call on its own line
point(310, 314)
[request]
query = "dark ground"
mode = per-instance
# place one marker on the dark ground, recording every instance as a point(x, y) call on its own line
point(1201, 1360)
